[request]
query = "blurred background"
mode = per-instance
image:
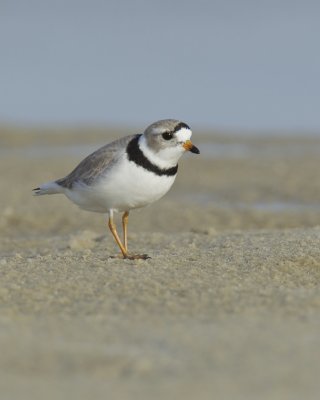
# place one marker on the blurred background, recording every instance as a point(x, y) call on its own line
point(224, 64)
point(77, 74)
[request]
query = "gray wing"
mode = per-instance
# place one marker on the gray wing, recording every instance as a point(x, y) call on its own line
point(96, 163)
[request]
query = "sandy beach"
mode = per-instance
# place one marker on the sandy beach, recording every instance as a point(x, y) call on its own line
point(228, 306)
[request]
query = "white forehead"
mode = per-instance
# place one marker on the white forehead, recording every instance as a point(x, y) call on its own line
point(183, 134)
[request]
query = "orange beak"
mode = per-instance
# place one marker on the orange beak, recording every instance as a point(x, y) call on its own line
point(187, 145)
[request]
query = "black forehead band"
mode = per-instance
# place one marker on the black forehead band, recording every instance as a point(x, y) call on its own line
point(180, 126)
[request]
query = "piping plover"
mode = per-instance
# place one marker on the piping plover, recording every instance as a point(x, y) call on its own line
point(128, 173)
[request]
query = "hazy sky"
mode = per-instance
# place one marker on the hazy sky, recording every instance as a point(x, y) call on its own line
point(236, 64)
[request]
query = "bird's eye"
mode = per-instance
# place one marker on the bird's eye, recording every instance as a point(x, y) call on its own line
point(167, 135)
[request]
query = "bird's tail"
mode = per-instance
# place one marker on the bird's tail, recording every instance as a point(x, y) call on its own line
point(48, 188)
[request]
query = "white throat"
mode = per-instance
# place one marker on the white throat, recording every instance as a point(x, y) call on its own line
point(165, 158)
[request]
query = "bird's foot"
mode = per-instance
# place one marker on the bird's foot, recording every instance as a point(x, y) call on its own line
point(137, 256)
point(131, 256)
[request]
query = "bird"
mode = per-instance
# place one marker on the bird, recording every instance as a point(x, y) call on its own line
point(128, 173)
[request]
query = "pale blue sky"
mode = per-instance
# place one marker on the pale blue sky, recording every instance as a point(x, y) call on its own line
point(222, 64)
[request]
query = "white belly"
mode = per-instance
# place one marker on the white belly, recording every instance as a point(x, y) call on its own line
point(124, 187)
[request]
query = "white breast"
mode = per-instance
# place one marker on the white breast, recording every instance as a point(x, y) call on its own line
point(125, 186)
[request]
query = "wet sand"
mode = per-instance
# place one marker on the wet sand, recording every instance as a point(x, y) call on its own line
point(227, 307)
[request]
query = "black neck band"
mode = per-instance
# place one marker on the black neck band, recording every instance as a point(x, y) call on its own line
point(136, 155)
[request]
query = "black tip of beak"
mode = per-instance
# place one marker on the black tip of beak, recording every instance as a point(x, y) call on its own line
point(195, 149)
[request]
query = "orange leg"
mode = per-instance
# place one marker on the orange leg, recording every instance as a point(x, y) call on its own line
point(113, 229)
point(125, 218)
point(123, 247)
